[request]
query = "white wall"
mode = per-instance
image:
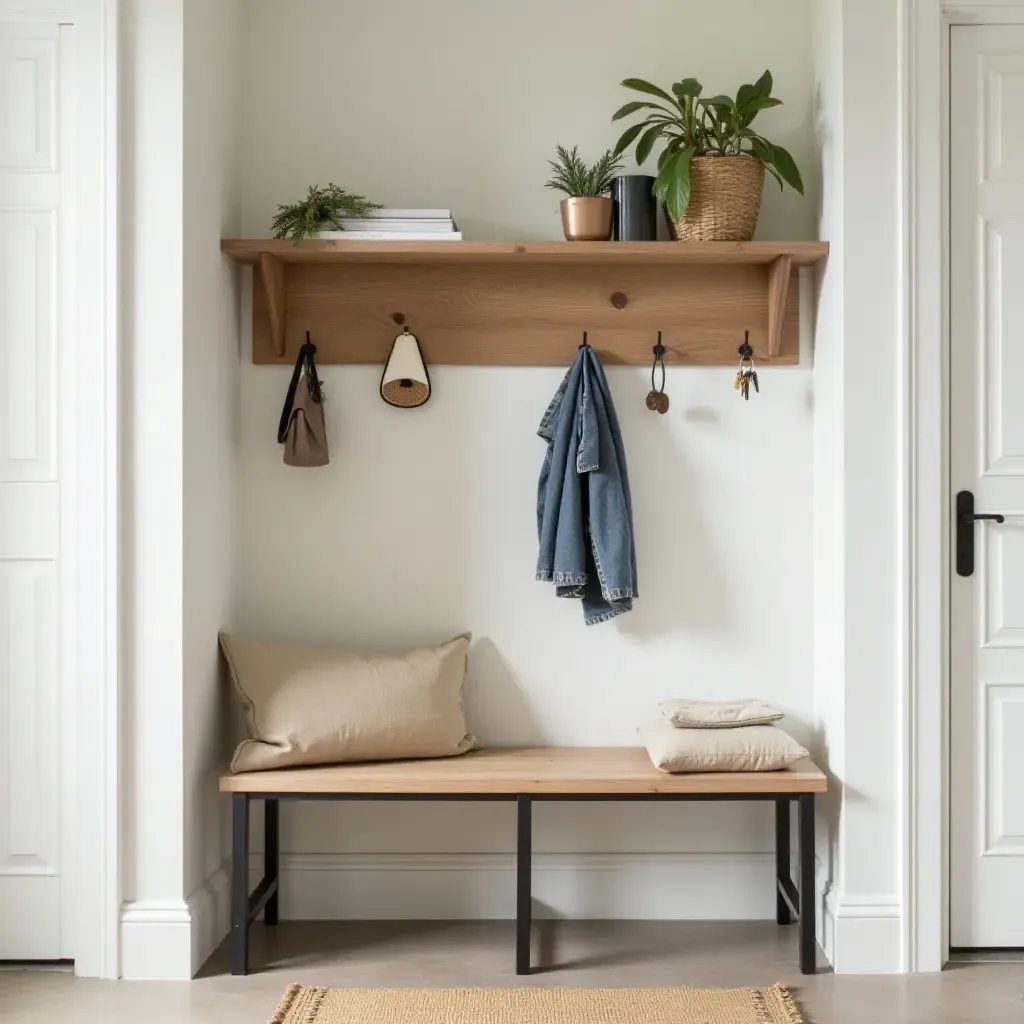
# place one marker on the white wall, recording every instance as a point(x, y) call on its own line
point(858, 486)
point(212, 93)
point(155, 917)
point(182, 346)
point(868, 904)
point(829, 525)
point(424, 523)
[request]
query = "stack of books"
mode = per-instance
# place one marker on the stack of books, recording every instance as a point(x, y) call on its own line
point(399, 226)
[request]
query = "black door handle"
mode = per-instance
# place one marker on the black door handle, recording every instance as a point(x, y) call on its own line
point(966, 517)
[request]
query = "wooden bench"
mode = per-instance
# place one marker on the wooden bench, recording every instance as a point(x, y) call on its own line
point(522, 776)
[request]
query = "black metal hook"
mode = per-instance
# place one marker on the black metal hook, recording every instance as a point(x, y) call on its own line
point(585, 342)
point(745, 351)
point(657, 400)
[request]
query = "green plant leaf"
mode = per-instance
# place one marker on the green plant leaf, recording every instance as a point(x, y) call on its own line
point(646, 143)
point(762, 149)
point(671, 148)
point(786, 166)
point(763, 86)
point(662, 181)
point(634, 105)
point(639, 85)
point(744, 96)
point(672, 186)
point(687, 87)
point(628, 136)
point(723, 104)
point(761, 103)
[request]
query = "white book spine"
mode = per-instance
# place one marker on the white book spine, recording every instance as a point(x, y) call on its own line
point(392, 236)
point(409, 226)
point(385, 214)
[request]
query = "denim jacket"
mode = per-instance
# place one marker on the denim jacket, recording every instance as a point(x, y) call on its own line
point(584, 512)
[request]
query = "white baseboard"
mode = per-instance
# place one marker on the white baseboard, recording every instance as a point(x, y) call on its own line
point(826, 923)
point(170, 941)
point(630, 886)
point(210, 914)
point(156, 941)
point(866, 934)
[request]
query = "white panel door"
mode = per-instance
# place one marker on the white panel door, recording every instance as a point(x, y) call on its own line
point(33, 296)
point(987, 458)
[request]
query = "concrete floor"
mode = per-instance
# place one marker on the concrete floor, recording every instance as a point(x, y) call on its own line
point(595, 953)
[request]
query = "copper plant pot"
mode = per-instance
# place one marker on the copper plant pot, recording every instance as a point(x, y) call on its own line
point(587, 218)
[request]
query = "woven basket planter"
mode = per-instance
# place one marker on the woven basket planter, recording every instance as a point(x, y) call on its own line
point(725, 199)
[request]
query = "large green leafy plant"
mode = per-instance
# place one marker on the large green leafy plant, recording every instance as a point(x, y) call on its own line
point(571, 174)
point(693, 125)
point(322, 206)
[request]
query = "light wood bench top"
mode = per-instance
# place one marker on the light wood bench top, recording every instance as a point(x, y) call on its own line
point(503, 770)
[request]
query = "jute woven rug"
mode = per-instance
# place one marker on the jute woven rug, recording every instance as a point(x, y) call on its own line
point(302, 1005)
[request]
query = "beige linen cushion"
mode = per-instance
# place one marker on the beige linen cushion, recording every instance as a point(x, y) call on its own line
point(321, 705)
point(747, 748)
point(718, 714)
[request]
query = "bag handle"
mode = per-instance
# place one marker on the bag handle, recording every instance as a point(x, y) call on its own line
point(304, 361)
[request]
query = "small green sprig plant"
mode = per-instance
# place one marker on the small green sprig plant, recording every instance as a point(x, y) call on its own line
point(322, 206)
point(571, 174)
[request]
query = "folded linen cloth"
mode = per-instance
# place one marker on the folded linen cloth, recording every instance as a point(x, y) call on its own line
point(718, 714)
point(747, 748)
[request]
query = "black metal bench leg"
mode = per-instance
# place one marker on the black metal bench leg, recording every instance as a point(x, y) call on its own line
point(240, 883)
point(783, 877)
point(524, 895)
point(808, 940)
point(272, 856)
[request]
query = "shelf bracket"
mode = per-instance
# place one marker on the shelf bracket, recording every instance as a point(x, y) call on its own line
point(779, 273)
point(272, 270)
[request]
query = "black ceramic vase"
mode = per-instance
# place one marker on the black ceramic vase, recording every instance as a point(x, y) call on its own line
point(636, 210)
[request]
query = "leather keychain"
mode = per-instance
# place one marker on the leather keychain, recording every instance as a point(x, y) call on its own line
point(657, 400)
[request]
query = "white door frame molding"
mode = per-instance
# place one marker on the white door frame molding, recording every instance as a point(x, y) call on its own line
point(98, 740)
point(925, 26)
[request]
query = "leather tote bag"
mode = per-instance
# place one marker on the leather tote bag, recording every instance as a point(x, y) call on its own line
point(303, 429)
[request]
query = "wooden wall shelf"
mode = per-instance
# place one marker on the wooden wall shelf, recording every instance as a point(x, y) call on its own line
point(525, 303)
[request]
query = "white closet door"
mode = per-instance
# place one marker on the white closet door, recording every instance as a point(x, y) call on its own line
point(33, 301)
point(987, 444)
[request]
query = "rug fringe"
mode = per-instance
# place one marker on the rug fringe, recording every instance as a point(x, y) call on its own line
point(302, 1000)
point(789, 1004)
point(281, 1013)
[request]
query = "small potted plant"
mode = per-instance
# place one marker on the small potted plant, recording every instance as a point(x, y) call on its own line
point(322, 208)
point(711, 172)
point(586, 210)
